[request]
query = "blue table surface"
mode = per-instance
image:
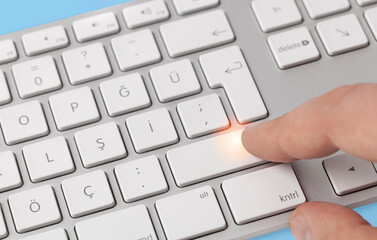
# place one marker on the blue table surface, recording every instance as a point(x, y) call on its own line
point(16, 15)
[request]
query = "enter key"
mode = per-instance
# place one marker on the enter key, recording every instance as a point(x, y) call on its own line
point(263, 193)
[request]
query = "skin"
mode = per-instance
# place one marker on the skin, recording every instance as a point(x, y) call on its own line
point(346, 119)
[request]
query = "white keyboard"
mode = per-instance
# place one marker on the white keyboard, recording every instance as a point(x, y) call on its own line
point(125, 123)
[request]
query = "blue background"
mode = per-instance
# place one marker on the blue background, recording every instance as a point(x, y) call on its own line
point(16, 15)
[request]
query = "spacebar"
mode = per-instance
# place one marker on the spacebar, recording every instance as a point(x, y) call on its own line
point(209, 158)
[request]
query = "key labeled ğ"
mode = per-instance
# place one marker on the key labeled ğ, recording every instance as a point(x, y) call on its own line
point(125, 94)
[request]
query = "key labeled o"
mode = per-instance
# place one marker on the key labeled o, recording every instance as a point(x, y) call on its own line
point(24, 120)
point(38, 81)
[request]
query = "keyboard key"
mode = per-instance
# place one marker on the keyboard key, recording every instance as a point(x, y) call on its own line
point(365, 2)
point(5, 96)
point(263, 193)
point(227, 68)
point(203, 115)
point(206, 30)
point(175, 80)
point(88, 193)
point(342, 34)
point(145, 13)
point(191, 214)
point(276, 14)
point(136, 219)
point(8, 51)
point(135, 50)
point(100, 144)
point(322, 8)
point(184, 7)
point(23, 122)
point(36, 77)
point(349, 174)
point(371, 17)
point(3, 226)
point(96, 26)
point(48, 159)
point(10, 177)
point(45, 40)
point(220, 155)
point(86, 63)
point(57, 234)
point(294, 47)
point(74, 108)
point(152, 130)
point(125, 94)
point(35, 208)
point(141, 179)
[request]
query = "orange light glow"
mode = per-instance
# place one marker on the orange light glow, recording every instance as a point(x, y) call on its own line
point(230, 146)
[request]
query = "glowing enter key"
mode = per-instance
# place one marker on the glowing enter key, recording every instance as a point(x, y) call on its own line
point(210, 158)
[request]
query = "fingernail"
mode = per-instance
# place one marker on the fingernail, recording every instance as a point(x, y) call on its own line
point(300, 228)
point(252, 126)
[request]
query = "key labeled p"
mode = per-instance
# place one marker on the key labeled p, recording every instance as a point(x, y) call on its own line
point(74, 106)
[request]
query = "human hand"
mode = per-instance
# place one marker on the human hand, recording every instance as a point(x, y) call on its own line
point(346, 119)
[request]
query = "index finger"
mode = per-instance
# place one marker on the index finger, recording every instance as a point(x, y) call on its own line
point(345, 118)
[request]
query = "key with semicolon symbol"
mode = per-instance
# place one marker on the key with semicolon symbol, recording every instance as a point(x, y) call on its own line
point(203, 115)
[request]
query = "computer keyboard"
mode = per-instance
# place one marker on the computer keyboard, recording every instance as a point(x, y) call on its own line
point(126, 122)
